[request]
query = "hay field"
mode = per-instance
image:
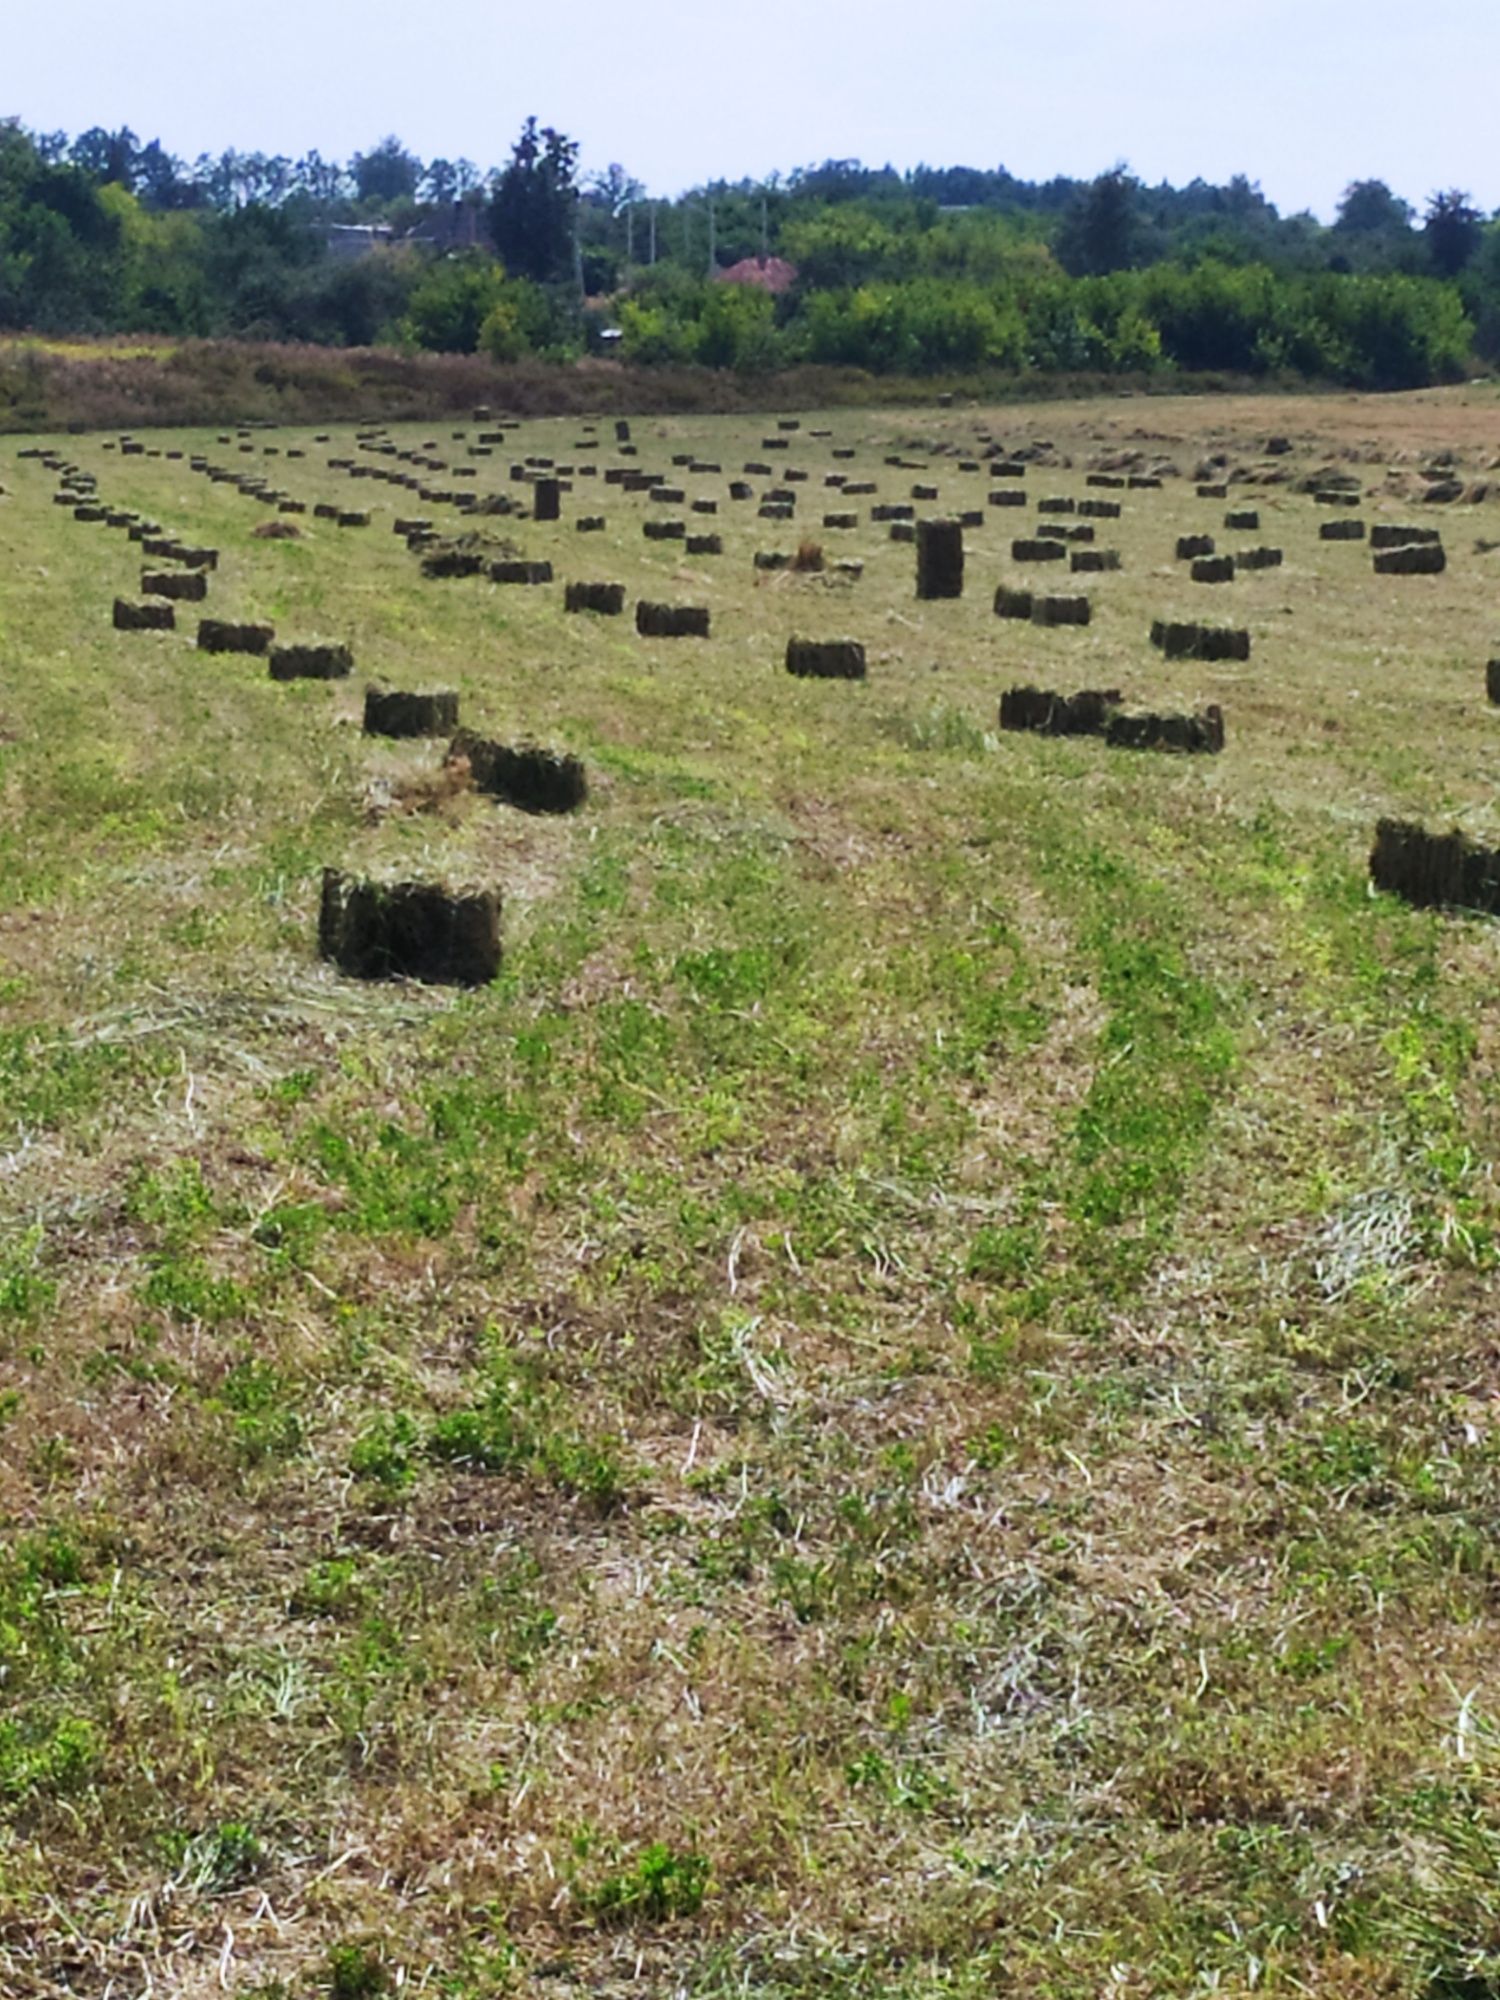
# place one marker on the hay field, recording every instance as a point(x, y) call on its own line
point(906, 1405)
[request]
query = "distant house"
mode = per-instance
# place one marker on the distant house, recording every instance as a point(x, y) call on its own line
point(771, 274)
point(455, 225)
point(344, 241)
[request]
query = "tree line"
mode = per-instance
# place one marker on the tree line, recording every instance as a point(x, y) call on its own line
point(929, 271)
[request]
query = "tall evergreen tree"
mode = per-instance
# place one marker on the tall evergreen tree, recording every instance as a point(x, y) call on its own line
point(535, 203)
point(1453, 230)
point(1100, 233)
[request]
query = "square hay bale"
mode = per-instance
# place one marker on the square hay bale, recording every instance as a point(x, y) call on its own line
point(311, 663)
point(401, 712)
point(1175, 640)
point(607, 599)
point(826, 659)
point(186, 586)
point(1084, 560)
point(130, 617)
point(671, 621)
point(452, 562)
point(1253, 559)
point(1026, 551)
point(667, 531)
point(1200, 642)
point(1341, 531)
point(1393, 535)
point(1411, 559)
point(705, 545)
point(1007, 496)
point(1193, 734)
point(409, 930)
point(1222, 642)
point(1043, 713)
point(519, 572)
point(219, 635)
point(1213, 569)
point(1061, 611)
point(1190, 548)
point(1013, 603)
point(1243, 520)
point(1435, 870)
point(523, 775)
point(940, 559)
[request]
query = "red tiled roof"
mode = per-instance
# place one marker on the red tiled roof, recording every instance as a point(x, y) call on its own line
point(772, 274)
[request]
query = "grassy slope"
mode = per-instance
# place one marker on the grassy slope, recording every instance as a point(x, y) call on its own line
point(904, 1407)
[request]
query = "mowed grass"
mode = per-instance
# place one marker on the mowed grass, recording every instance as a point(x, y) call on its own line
point(905, 1406)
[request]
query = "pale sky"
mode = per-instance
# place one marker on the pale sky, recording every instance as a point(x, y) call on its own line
point(1301, 95)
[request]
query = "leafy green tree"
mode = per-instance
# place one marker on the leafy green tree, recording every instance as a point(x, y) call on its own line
point(387, 173)
point(535, 204)
point(1368, 208)
point(841, 247)
point(324, 182)
point(439, 184)
point(107, 156)
point(520, 322)
point(449, 307)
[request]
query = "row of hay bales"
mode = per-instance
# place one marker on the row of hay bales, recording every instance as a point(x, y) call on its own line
point(935, 578)
point(939, 565)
